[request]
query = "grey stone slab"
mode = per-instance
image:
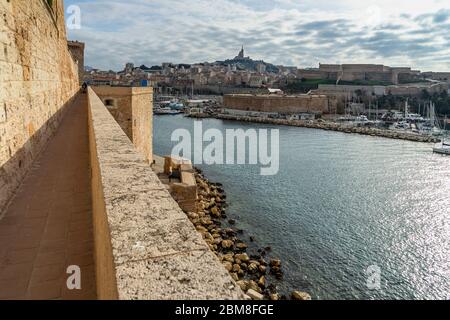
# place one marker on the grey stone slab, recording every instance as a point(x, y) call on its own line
point(153, 239)
point(190, 276)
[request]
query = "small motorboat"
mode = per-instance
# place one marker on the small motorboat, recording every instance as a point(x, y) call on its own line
point(166, 111)
point(442, 150)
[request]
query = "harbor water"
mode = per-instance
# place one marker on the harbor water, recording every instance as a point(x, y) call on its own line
point(343, 211)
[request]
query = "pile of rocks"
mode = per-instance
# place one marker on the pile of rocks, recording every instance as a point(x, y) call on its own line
point(251, 272)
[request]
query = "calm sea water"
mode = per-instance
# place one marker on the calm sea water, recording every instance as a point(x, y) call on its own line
point(340, 204)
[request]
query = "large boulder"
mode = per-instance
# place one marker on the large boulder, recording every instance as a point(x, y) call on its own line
point(228, 257)
point(228, 266)
point(255, 295)
point(242, 257)
point(252, 268)
point(243, 284)
point(275, 263)
point(227, 244)
point(215, 212)
point(298, 295)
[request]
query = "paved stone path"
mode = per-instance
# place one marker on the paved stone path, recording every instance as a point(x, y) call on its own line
point(48, 226)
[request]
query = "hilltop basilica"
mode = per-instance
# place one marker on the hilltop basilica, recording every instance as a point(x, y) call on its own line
point(241, 55)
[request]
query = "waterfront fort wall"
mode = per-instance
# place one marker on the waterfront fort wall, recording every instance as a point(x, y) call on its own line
point(38, 78)
point(145, 245)
point(279, 103)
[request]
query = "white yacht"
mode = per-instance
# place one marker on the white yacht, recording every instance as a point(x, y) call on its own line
point(442, 148)
point(414, 117)
point(402, 125)
point(166, 111)
point(346, 118)
point(362, 118)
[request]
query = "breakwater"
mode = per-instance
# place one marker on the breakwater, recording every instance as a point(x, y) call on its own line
point(326, 125)
point(253, 272)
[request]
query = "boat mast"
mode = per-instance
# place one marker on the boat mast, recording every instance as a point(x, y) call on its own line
point(376, 119)
point(406, 108)
point(443, 132)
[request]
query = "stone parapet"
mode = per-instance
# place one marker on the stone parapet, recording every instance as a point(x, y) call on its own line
point(145, 246)
point(132, 108)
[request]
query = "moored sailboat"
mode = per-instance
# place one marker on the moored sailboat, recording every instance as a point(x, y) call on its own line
point(443, 147)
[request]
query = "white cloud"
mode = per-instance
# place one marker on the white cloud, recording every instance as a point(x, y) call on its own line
point(289, 32)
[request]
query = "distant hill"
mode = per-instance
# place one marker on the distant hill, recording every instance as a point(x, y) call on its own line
point(144, 68)
point(249, 64)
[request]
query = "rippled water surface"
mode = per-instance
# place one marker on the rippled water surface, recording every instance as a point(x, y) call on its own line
point(339, 204)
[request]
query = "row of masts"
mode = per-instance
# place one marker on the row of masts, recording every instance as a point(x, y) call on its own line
point(427, 110)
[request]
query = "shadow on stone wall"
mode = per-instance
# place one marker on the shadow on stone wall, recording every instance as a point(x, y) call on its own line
point(13, 172)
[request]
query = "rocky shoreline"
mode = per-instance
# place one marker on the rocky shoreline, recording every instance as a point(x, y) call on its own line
point(253, 272)
point(329, 126)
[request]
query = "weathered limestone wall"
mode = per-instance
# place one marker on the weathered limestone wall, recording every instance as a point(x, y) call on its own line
point(349, 91)
point(441, 76)
point(313, 74)
point(363, 68)
point(132, 107)
point(77, 50)
point(416, 89)
point(142, 106)
point(145, 246)
point(330, 67)
point(37, 79)
point(118, 102)
point(370, 72)
point(283, 104)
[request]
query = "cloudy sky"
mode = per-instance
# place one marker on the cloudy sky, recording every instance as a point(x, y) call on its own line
point(290, 32)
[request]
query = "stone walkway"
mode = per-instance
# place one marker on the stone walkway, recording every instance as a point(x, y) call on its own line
point(48, 226)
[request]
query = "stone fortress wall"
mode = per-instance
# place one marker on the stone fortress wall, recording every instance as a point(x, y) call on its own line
point(343, 92)
point(132, 108)
point(438, 76)
point(280, 103)
point(77, 50)
point(145, 246)
point(38, 78)
point(364, 72)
